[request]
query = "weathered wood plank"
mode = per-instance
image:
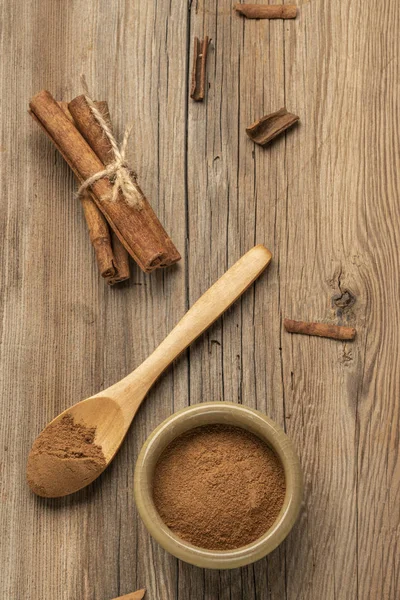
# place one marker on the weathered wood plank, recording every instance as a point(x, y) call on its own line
point(339, 196)
point(234, 199)
point(65, 334)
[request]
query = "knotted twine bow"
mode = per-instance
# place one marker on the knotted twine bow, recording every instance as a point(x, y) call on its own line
point(118, 172)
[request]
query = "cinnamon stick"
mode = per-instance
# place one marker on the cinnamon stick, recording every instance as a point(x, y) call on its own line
point(121, 261)
point(335, 332)
point(269, 127)
point(91, 130)
point(133, 596)
point(267, 11)
point(200, 52)
point(129, 223)
point(120, 254)
point(111, 256)
point(99, 234)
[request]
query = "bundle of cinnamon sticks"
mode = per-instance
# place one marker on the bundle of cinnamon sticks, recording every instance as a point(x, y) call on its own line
point(116, 228)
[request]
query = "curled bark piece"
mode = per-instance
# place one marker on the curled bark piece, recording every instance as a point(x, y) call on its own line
point(267, 11)
point(197, 91)
point(335, 332)
point(269, 127)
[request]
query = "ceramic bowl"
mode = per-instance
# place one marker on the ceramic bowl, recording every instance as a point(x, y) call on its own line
point(229, 414)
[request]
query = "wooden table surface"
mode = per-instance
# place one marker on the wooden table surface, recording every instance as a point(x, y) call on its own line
point(324, 198)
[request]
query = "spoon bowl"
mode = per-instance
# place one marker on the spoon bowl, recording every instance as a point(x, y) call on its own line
point(49, 468)
point(58, 466)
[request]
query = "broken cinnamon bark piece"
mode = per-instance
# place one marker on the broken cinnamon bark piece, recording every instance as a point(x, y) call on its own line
point(197, 91)
point(269, 127)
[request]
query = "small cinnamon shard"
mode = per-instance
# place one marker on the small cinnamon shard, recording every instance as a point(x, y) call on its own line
point(269, 127)
point(197, 91)
point(133, 596)
point(335, 332)
point(267, 11)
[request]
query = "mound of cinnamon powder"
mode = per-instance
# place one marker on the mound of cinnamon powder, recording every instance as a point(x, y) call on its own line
point(62, 457)
point(218, 487)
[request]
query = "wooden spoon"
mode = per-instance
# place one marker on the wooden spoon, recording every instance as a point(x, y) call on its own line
point(133, 596)
point(111, 411)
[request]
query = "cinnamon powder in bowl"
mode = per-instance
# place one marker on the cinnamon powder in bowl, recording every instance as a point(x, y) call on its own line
point(218, 485)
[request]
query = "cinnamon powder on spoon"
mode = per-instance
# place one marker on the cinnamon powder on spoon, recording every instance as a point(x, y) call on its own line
point(62, 457)
point(219, 487)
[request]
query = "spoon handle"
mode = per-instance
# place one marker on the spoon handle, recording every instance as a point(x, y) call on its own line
point(216, 300)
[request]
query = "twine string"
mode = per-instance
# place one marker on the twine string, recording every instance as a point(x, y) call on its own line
point(118, 171)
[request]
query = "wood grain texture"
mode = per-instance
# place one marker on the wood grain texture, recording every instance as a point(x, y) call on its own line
point(323, 198)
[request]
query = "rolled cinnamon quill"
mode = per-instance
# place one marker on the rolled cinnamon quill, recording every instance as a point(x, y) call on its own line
point(267, 11)
point(120, 259)
point(335, 332)
point(112, 258)
point(120, 254)
point(197, 90)
point(130, 224)
point(94, 135)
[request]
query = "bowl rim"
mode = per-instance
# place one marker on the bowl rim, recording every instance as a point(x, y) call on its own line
point(234, 414)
